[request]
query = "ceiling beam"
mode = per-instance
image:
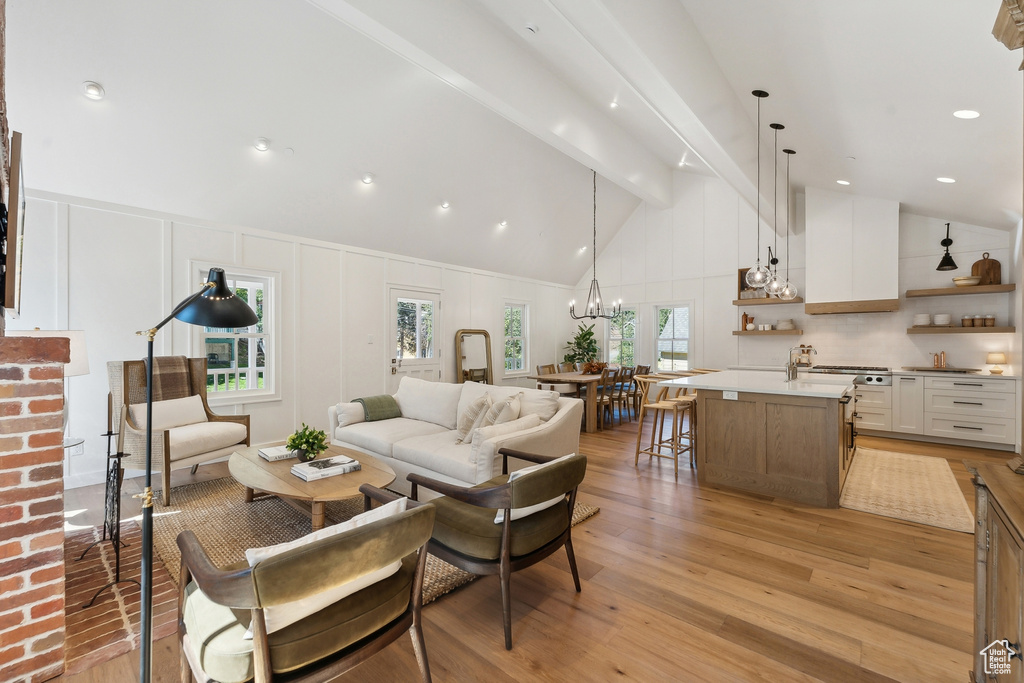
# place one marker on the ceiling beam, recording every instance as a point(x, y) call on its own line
point(460, 46)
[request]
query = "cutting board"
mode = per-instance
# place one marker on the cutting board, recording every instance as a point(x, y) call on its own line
point(988, 269)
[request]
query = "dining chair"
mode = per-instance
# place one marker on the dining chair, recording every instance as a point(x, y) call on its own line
point(606, 395)
point(562, 389)
point(625, 389)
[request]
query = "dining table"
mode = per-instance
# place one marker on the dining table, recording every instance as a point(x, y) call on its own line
point(581, 381)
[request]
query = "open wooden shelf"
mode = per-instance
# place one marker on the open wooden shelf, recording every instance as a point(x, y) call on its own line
point(740, 333)
point(960, 330)
point(766, 302)
point(958, 291)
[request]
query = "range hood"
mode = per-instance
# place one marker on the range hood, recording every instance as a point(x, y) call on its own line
point(852, 247)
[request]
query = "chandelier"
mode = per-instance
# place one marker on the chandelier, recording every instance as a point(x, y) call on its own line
point(594, 308)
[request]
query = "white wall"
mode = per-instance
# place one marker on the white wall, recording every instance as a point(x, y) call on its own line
point(691, 252)
point(111, 270)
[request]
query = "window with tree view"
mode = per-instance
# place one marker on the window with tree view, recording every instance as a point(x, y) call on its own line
point(673, 338)
point(515, 337)
point(622, 338)
point(237, 359)
point(415, 336)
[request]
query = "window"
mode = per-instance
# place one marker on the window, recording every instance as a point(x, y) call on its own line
point(673, 338)
point(239, 360)
point(622, 338)
point(415, 337)
point(515, 337)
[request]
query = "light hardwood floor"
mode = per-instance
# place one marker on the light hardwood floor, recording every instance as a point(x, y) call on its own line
point(698, 584)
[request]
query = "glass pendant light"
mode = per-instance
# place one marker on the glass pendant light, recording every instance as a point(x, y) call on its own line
point(757, 277)
point(789, 290)
point(775, 283)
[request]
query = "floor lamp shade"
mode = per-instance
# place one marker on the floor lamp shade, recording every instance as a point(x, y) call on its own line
point(79, 363)
point(218, 306)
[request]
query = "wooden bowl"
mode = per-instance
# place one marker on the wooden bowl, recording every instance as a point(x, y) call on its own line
point(966, 281)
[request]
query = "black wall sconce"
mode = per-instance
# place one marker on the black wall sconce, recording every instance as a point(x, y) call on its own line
point(947, 262)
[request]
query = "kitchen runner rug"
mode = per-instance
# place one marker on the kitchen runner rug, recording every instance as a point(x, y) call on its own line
point(226, 526)
point(915, 488)
point(110, 626)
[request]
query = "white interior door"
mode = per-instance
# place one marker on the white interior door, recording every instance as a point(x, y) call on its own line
point(415, 331)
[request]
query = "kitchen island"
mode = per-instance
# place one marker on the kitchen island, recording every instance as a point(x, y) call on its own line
point(756, 432)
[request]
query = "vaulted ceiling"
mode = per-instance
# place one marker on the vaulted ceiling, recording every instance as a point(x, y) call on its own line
point(502, 108)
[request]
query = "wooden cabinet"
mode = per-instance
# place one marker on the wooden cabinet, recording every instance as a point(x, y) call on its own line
point(852, 246)
point(999, 576)
point(793, 447)
point(908, 404)
point(874, 408)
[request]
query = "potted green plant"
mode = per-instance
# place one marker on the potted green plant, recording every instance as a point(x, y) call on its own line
point(307, 442)
point(583, 347)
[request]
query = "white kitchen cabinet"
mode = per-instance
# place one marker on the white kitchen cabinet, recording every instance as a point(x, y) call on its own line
point(973, 408)
point(874, 408)
point(908, 404)
point(852, 246)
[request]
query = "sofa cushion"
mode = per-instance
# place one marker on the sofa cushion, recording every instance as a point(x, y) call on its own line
point(543, 403)
point(505, 410)
point(439, 453)
point(472, 417)
point(279, 616)
point(380, 437)
point(436, 402)
point(193, 439)
point(350, 413)
point(170, 413)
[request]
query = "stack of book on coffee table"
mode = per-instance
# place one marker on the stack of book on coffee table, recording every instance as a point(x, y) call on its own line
point(326, 467)
point(275, 453)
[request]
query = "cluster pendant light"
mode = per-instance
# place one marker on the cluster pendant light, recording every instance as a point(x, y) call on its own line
point(595, 309)
point(767, 277)
point(789, 291)
point(757, 277)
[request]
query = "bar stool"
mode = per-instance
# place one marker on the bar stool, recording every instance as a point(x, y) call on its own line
point(662, 406)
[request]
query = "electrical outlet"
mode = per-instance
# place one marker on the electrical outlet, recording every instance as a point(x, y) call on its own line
point(78, 449)
point(730, 395)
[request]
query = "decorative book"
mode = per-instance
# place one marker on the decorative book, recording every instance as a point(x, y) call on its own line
point(327, 467)
point(274, 453)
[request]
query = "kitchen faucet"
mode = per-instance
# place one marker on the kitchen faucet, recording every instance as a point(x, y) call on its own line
point(791, 367)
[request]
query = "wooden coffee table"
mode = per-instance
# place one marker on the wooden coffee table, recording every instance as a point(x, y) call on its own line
point(262, 478)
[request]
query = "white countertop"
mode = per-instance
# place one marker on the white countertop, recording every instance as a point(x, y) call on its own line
point(753, 381)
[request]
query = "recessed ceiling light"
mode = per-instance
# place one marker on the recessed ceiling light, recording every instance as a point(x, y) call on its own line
point(532, 29)
point(583, 248)
point(367, 178)
point(614, 104)
point(843, 182)
point(946, 180)
point(682, 162)
point(262, 144)
point(445, 204)
point(966, 114)
point(93, 90)
point(503, 224)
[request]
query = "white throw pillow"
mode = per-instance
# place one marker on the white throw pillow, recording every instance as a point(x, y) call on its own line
point(519, 513)
point(472, 416)
point(279, 616)
point(542, 403)
point(171, 413)
point(521, 425)
point(436, 402)
point(504, 411)
point(350, 413)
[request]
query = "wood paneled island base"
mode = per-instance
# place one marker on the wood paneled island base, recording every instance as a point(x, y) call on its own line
point(794, 447)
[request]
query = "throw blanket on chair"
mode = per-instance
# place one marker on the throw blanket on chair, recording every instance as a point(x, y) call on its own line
point(170, 378)
point(382, 407)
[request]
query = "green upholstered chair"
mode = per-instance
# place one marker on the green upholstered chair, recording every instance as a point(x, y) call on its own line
point(466, 535)
point(217, 606)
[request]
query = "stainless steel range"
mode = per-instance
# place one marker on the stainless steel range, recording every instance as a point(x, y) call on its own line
point(862, 374)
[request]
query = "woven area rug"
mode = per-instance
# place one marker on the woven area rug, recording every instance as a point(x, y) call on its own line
point(216, 512)
point(110, 626)
point(915, 488)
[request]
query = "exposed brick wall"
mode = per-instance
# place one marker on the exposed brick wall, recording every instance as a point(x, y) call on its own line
point(31, 508)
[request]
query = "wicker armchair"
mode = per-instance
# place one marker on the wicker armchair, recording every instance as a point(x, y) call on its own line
point(195, 437)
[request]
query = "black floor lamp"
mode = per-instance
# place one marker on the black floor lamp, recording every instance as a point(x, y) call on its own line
point(212, 306)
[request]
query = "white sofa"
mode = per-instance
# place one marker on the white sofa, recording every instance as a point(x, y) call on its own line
point(423, 440)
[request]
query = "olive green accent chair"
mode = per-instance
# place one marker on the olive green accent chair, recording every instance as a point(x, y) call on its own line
point(216, 606)
point(467, 536)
